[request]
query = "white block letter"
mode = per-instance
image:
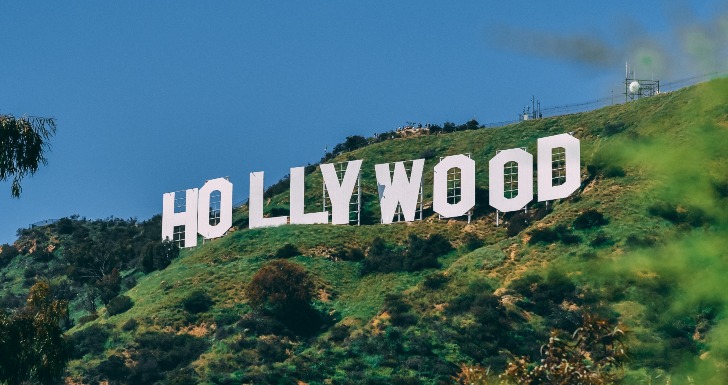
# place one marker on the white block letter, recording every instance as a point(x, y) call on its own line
point(226, 208)
point(546, 189)
point(256, 204)
point(497, 183)
point(399, 189)
point(187, 218)
point(298, 187)
point(467, 186)
point(340, 194)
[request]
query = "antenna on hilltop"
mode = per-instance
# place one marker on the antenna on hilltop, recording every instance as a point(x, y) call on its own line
point(635, 88)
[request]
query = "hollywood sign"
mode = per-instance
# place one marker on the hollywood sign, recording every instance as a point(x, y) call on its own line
point(395, 190)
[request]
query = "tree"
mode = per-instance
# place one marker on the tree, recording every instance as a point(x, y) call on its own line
point(158, 255)
point(284, 291)
point(280, 286)
point(23, 142)
point(32, 345)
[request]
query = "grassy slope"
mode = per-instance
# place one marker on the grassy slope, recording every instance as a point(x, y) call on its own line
point(224, 266)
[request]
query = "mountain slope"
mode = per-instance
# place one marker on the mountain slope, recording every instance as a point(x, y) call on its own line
point(654, 169)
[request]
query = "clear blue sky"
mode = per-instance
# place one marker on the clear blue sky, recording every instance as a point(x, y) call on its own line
point(153, 98)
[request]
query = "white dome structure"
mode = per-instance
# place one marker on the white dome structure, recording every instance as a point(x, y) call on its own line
point(634, 87)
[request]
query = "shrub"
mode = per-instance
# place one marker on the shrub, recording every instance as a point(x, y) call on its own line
point(109, 286)
point(260, 324)
point(692, 216)
point(517, 223)
point(197, 302)
point(160, 353)
point(280, 287)
point(87, 318)
point(435, 281)
point(354, 254)
point(545, 235)
point(7, 253)
point(130, 325)
point(339, 333)
point(600, 240)
point(589, 219)
point(90, 340)
point(113, 369)
point(399, 310)
point(471, 242)
point(118, 305)
point(563, 360)
point(613, 128)
point(423, 253)
point(418, 254)
point(635, 241)
point(286, 251)
point(158, 255)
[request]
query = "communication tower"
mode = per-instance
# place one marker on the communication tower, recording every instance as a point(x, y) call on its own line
point(635, 88)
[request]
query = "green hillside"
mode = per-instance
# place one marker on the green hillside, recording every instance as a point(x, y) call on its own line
point(639, 251)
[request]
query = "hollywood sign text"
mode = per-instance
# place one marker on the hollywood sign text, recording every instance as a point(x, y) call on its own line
point(395, 189)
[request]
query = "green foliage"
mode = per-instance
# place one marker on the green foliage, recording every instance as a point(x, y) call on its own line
point(197, 302)
point(560, 233)
point(32, 345)
point(435, 281)
point(692, 216)
point(158, 255)
point(353, 254)
point(417, 254)
point(130, 325)
point(589, 219)
point(613, 128)
point(109, 286)
point(286, 251)
point(279, 286)
point(7, 253)
point(119, 305)
point(90, 340)
point(158, 356)
point(23, 142)
point(591, 355)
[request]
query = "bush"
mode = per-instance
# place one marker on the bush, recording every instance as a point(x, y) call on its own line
point(339, 333)
point(471, 242)
point(589, 219)
point(545, 235)
point(280, 287)
point(600, 240)
point(197, 302)
point(286, 251)
point(130, 325)
point(161, 353)
point(113, 369)
point(417, 254)
point(118, 305)
point(613, 128)
point(435, 281)
point(399, 310)
point(90, 340)
point(691, 216)
point(158, 255)
point(354, 254)
point(517, 223)
point(381, 257)
point(7, 253)
point(423, 253)
point(87, 318)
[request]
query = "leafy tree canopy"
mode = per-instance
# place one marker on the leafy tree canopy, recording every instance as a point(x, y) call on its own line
point(23, 142)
